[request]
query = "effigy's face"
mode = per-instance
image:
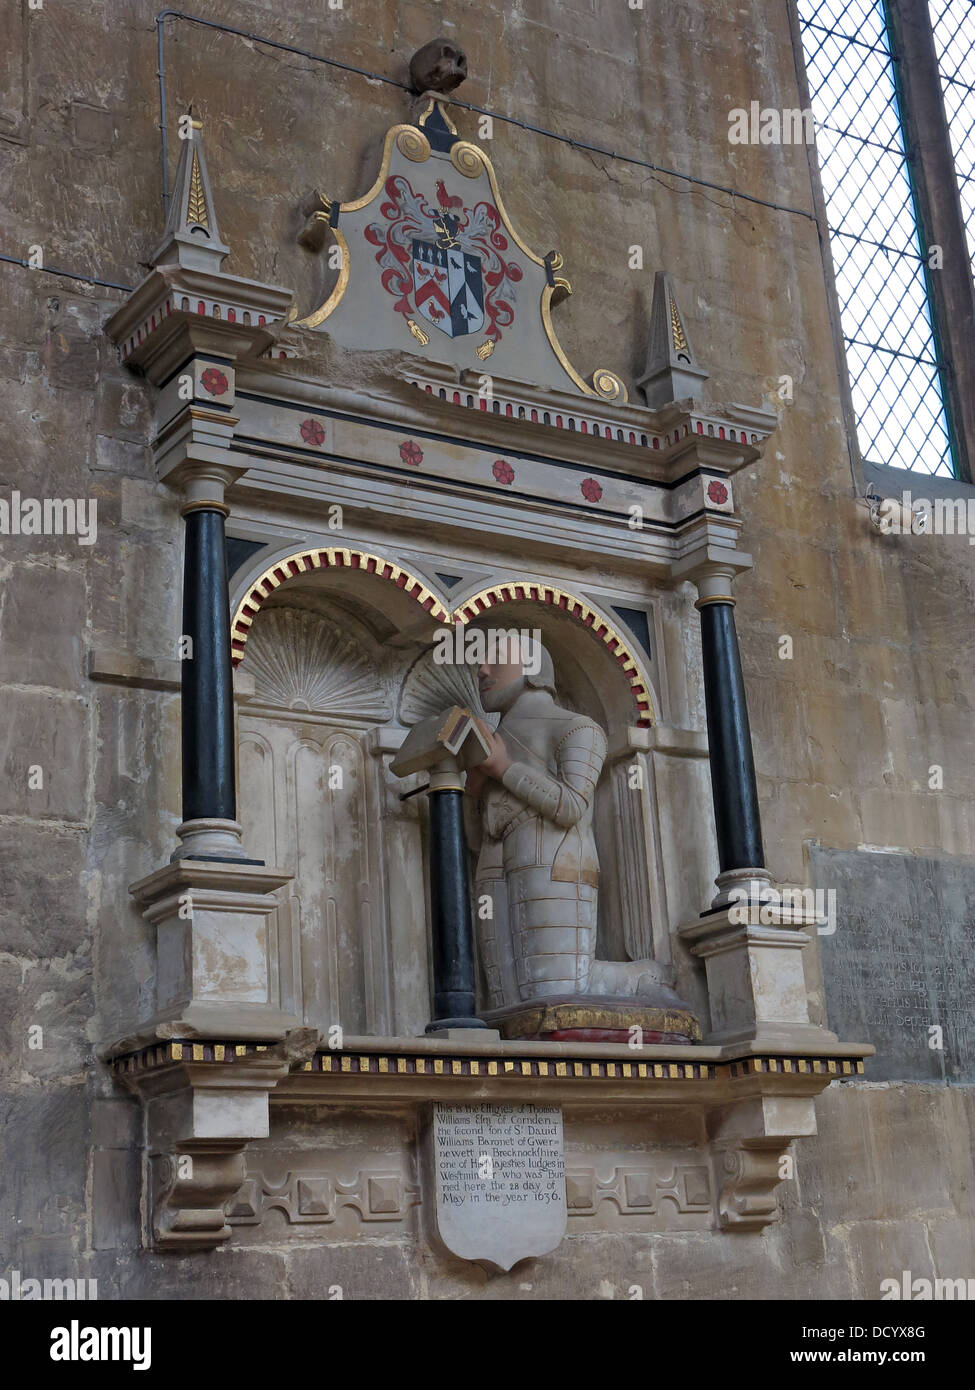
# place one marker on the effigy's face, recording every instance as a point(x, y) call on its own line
point(493, 680)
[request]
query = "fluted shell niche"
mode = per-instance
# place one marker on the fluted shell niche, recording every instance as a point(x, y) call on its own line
point(303, 661)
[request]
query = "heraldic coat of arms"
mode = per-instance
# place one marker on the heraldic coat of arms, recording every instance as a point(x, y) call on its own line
point(444, 261)
point(441, 253)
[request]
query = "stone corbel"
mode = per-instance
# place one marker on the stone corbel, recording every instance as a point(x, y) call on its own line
point(316, 209)
point(190, 1191)
point(746, 1173)
point(750, 1156)
point(204, 1104)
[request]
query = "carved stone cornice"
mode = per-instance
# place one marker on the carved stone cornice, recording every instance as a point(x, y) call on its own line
point(667, 443)
point(162, 324)
point(421, 1069)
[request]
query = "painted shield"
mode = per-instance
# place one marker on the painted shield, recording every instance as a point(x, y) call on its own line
point(448, 288)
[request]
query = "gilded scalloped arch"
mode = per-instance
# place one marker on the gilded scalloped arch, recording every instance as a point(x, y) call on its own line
point(522, 590)
point(468, 159)
point(393, 133)
point(608, 385)
point(413, 145)
point(305, 562)
point(562, 288)
point(320, 314)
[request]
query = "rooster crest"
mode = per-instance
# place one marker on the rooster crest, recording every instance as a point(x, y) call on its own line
point(446, 200)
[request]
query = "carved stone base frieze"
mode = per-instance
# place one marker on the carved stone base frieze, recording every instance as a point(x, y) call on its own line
point(316, 1196)
point(206, 1101)
point(638, 1189)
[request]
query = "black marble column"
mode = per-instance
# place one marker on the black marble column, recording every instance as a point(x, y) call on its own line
point(733, 785)
point(454, 1000)
point(209, 790)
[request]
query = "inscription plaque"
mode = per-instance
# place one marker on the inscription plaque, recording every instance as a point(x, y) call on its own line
point(899, 969)
point(499, 1172)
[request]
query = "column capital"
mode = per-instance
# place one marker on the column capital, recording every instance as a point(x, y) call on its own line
point(204, 484)
point(712, 569)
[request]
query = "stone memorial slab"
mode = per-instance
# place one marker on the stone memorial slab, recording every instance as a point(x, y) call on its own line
point(499, 1172)
point(899, 969)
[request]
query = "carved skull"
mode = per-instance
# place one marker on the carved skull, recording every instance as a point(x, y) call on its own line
point(439, 66)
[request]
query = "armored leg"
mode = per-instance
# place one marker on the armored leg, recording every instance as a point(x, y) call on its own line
point(553, 933)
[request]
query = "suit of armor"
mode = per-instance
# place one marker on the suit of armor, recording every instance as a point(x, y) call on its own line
point(537, 864)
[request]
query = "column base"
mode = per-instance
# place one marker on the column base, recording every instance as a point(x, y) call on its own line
point(218, 1022)
point(742, 886)
point(210, 838)
point(781, 1037)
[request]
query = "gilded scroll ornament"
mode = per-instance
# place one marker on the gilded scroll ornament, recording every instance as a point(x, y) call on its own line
point(413, 144)
point(608, 385)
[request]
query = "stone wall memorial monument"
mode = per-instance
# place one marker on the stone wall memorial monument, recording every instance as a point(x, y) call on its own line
point(453, 965)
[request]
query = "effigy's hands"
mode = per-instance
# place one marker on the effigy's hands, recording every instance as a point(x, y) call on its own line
point(499, 760)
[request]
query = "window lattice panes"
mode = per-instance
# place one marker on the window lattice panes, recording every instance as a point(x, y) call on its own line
point(953, 24)
point(880, 281)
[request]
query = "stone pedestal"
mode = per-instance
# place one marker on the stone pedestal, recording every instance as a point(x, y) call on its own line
point(216, 934)
point(756, 984)
point(634, 1021)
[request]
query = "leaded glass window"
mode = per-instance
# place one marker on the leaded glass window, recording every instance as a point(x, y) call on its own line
point(878, 252)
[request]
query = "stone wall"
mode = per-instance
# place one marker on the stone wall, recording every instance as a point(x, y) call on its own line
point(878, 688)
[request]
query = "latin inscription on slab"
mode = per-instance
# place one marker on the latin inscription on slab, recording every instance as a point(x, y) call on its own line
point(500, 1181)
point(899, 968)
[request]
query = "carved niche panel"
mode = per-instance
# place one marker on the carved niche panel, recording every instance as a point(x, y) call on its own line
point(309, 803)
